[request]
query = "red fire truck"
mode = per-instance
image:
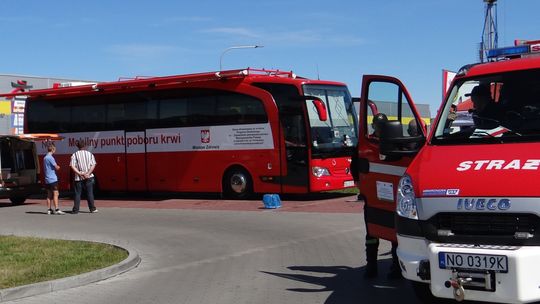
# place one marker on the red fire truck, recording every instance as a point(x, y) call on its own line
point(235, 132)
point(468, 204)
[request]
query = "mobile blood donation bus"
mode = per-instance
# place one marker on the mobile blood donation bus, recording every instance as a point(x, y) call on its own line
point(468, 204)
point(236, 132)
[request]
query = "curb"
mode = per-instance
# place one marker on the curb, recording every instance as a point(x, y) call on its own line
point(18, 292)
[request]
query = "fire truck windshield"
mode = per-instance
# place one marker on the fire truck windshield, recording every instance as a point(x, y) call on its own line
point(502, 108)
point(339, 130)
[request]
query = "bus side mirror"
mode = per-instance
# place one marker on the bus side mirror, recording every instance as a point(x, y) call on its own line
point(321, 109)
point(394, 144)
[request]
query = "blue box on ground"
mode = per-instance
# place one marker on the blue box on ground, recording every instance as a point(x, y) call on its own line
point(271, 201)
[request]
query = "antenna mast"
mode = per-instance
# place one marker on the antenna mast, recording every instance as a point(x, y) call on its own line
point(489, 34)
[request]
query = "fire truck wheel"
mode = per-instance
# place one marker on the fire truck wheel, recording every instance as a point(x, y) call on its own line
point(237, 184)
point(423, 292)
point(19, 200)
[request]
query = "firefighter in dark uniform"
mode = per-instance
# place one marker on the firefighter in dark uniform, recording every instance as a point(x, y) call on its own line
point(372, 243)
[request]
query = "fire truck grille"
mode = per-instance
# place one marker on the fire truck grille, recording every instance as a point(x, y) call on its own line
point(487, 224)
point(515, 229)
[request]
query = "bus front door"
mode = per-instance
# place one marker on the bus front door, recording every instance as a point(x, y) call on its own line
point(136, 161)
point(296, 179)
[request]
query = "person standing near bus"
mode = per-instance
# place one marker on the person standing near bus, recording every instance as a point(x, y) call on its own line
point(51, 180)
point(83, 164)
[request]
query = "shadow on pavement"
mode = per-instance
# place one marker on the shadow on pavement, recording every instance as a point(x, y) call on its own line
point(347, 284)
point(37, 212)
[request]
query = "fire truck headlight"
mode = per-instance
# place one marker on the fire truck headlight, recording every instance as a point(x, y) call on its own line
point(320, 171)
point(406, 200)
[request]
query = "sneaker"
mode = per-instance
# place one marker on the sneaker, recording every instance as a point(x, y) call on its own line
point(58, 211)
point(50, 211)
point(94, 211)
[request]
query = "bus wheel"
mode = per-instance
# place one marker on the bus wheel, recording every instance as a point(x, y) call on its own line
point(237, 184)
point(19, 200)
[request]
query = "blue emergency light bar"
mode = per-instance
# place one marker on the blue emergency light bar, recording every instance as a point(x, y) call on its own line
point(508, 52)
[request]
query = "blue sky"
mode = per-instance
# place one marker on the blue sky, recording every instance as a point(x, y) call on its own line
point(335, 40)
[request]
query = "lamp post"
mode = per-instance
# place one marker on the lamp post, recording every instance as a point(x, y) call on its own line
point(234, 48)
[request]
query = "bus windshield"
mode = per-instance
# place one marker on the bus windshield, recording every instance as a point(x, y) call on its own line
point(340, 129)
point(498, 108)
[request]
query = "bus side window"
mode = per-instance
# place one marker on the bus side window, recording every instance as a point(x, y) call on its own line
point(240, 109)
point(290, 110)
point(292, 127)
point(140, 114)
point(57, 120)
point(201, 110)
point(173, 112)
point(228, 110)
point(88, 116)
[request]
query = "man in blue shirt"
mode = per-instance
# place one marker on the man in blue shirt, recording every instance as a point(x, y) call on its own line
point(51, 180)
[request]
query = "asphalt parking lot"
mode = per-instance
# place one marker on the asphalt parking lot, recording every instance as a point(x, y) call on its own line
point(207, 250)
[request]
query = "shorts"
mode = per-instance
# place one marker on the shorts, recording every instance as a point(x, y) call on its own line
point(52, 186)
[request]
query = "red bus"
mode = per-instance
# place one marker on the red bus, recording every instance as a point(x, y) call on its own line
point(237, 132)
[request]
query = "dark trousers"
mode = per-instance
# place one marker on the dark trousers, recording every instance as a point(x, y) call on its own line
point(372, 248)
point(88, 185)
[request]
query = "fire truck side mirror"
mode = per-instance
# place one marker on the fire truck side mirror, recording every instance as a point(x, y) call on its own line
point(394, 144)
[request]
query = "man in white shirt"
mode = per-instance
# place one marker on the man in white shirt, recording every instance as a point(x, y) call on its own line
point(83, 164)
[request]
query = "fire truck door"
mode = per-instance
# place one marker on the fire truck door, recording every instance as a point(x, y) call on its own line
point(380, 174)
point(136, 161)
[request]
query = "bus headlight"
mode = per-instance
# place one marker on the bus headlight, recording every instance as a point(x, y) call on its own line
point(406, 200)
point(320, 171)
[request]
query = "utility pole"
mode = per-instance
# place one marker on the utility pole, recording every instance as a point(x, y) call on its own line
point(489, 34)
